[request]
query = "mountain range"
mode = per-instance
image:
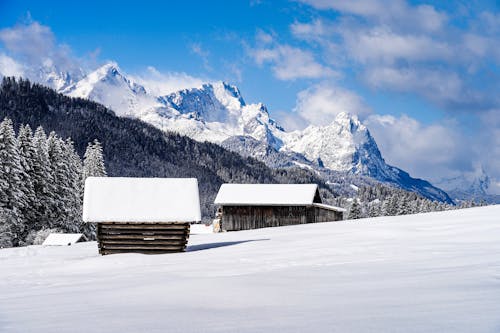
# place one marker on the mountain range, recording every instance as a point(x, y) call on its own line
point(216, 112)
point(133, 148)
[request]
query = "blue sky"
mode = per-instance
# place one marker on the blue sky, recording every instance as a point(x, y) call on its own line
point(423, 75)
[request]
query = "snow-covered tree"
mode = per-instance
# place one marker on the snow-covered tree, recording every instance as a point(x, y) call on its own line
point(65, 190)
point(56, 195)
point(403, 206)
point(374, 209)
point(27, 154)
point(355, 211)
point(93, 166)
point(93, 162)
point(42, 180)
point(12, 201)
point(41, 184)
point(73, 182)
point(8, 221)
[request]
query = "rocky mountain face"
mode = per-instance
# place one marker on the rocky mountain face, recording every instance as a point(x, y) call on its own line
point(216, 112)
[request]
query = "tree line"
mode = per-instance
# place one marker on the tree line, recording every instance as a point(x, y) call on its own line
point(41, 184)
point(382, 200)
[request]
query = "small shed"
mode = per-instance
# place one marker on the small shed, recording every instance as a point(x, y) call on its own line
point(144, 215)
point(252, 206)
point(61, 239)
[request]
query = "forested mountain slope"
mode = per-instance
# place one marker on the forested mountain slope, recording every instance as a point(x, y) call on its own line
point(134, 148)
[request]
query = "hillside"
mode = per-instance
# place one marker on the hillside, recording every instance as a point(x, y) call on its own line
point(435, 272)
point(134, 148)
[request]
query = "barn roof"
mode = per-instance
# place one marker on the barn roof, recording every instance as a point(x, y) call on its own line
point(268, 194)
point(119, 199)
point(338, 209)
point(61, 239)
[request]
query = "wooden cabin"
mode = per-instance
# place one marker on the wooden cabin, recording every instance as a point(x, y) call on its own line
point(252, 206)
point(144, 215)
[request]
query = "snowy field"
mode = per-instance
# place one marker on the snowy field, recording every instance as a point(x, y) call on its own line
point(437, 272)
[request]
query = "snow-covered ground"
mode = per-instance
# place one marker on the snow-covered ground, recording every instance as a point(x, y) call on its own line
point(437, 272)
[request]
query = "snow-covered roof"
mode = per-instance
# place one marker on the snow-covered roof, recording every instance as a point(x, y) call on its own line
point(118, 199)
point(266, 194)
point(62, 239)
point(338, 209)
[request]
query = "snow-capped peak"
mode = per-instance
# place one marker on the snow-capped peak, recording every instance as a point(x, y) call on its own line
point(216, 111)
point(211, 101)
point(343, 145)
point(54, 76)
point(106, 75)
point(110, 86)
point(228, 94)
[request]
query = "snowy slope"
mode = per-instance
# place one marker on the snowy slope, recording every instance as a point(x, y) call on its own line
point(216, 111)
point(110, 87)
point(436, 272)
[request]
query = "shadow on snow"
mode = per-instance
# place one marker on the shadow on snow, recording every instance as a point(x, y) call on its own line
point(208, 246)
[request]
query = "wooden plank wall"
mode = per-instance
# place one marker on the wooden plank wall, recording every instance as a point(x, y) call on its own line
point(253, 217)
point(147, 238)
point(326, 215)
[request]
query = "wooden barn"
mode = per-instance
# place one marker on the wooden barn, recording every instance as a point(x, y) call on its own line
point(144, 215)
point(252, 206)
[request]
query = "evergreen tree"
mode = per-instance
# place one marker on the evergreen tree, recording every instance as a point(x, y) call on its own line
point(384, 209)
point(59, 201)
point(374, 209)
point(355, 211)
point(7, 230)
point(73, 180)
point(12, 200)
point(27, 154)
point(93, 166)
point(42, 179)
point(93, 163)
point(393, 205)
point(403, 206)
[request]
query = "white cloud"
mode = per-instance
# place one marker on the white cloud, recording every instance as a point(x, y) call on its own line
point(263, 37)
point(310, 31)
point(427, 151)
point(33, 40)
point(320, 104)
point(35, 44)
point(382, 45)
point(444, 88)
point(160, 84)
point(9, 67)
point(398, 46)
point(290, 63)
point(440, 150)
point(388, 12)
point(489, 147)
point(199, 50)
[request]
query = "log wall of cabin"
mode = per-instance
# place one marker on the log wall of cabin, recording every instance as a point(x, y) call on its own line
point(254, 217)
point(147, 238)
